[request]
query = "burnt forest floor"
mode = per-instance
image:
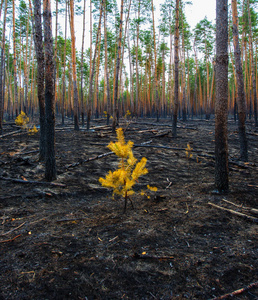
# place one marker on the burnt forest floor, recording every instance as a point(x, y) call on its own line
point(71, 240)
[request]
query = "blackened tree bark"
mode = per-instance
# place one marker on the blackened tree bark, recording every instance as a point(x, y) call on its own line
point(50, 161)
point(221, 99)
point(38, 40)
point(241, 102)
point(176, 84)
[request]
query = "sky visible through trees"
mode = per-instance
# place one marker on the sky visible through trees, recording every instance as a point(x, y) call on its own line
point(85, 84)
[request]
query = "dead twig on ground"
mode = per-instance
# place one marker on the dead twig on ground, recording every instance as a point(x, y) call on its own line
point(12, 230)
point(32, 182)
point(70, 220)
point(237, 292)
point(250, 209)
point(10, 240)
point(143, 256)
point(247, 217)
point(10, 133)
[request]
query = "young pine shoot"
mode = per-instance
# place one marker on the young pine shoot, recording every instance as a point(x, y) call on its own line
point(129, 170)
point(22, 120)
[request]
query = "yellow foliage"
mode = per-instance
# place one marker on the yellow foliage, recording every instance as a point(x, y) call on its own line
point(152, 188)
point(124, 178)
point(33, 130)
point(188, 151)
point(22, 120)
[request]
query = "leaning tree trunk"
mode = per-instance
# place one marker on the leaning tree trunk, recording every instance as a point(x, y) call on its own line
point(176, 58)
point(221, 101)
point(241, 102)
point(50, 163)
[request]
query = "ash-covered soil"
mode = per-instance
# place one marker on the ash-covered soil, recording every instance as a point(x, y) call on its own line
point(71, 240)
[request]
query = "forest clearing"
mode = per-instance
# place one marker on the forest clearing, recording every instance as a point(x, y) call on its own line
point(70, 240)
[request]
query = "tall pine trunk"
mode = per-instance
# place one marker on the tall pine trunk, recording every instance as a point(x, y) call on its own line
point(115, 105)
point(50, 162)
point(176, 84)
point(221, 101)
point(75, 90)
point(241, 103)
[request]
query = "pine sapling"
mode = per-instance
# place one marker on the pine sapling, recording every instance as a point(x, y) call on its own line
point(129, 170)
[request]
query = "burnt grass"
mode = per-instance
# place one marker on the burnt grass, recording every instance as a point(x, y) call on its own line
point(72, 240)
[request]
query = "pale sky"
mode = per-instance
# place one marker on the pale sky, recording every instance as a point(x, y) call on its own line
point(194, 13)
point(198, 10)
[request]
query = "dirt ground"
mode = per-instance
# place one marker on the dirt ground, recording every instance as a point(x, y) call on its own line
point(71, 240)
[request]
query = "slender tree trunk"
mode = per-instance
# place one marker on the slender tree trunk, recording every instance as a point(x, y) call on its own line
point(75, 90)
point(15, 64)
point(176, 86)
point(221, 103)
point(55, 52)
point(83, 34)
point(241, 103)
point(50, 163)
point(253, 80)
point(155, 63)
point(114, 123)
point(92, 70)
point(64, 68)
point(38, 40)
point(2, 64)
point(106, 67)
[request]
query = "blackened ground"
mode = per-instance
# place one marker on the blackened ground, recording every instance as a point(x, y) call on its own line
point(74, 242)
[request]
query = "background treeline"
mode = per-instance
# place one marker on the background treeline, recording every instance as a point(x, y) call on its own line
point(145, 39)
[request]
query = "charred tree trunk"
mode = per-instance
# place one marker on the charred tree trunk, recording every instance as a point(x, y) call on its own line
point(38, 40)
point(221, 101)
point(50, 162)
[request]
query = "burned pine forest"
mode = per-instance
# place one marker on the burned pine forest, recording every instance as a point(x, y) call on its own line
point(128, 150)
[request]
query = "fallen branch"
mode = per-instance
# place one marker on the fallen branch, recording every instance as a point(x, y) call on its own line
point(12, 230)
point(250, 209)
point(10, 133)
point(143, 256)
point(237, 292)
point(89, 159)
point(100, 155)
point(32, 182)
point(6, 241)
point(247, 217)
point(70, 220)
